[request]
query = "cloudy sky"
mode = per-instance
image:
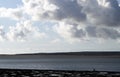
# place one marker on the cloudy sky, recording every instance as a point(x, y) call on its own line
point(30, 26)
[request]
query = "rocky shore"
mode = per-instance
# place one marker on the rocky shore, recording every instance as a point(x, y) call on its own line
point(55, 73)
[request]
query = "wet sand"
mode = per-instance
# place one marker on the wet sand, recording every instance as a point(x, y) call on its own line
point(55, 73)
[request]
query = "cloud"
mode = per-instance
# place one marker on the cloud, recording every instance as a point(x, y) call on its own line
point(68, 10)
point(15, 14)
point(75, 20)
point(71, 32)
point(74, 33)
point(55, 41)
point(54, 9)
point(96, 12)
point(39, 9)
point(101, 12)
point(2, 33)
point(21, 31)
point(102, 19)
point(102, 33)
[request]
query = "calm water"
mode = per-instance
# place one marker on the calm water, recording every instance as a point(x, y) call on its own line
point(82, 63)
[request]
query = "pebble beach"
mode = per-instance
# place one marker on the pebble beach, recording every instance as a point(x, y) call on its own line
point(55, 73)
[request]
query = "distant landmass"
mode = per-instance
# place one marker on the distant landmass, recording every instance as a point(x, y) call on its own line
point(63, 55)
point(87, 53)
point(96, 53)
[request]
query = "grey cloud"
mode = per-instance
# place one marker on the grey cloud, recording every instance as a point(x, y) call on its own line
point(91, 31)
point(96, 12)
point(102, 12)
point(100, 17)
point(77, 33)
point(104, 33)
point(108, 33)
point(72, 32)
point(68, 9)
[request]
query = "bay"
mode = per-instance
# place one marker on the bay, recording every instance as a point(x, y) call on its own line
point(63, 63)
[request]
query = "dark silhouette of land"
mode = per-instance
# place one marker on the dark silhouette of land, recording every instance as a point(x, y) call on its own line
point(62, 55)
point(96, 53)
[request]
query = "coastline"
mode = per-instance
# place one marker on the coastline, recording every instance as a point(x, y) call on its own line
point(55, 73)
point(4, 72)
point(55, 56)
point(61, 55)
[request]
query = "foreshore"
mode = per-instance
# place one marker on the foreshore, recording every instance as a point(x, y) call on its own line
point(55, 73)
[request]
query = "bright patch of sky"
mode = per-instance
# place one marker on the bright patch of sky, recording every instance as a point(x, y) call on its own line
point(31, 26)
point(10, 4)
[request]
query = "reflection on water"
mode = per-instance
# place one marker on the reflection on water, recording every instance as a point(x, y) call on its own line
point(89, 63)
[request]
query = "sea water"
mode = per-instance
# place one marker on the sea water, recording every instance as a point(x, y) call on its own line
point(77, 63)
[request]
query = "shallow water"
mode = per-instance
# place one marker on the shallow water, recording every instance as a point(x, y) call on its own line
point(78, 63)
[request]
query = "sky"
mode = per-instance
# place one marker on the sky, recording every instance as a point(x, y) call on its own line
point(44, 26)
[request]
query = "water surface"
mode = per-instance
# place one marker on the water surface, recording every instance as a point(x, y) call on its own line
point(73, 63)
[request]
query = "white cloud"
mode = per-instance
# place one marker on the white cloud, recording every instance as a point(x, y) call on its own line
point(55, 41)
point(24, 30)
point(76, 19)
point(21, 31)
point(2, 33)
point(102, 12)
point(71, 32)
point(15, 14)
point(39, 9)
point(101, 22)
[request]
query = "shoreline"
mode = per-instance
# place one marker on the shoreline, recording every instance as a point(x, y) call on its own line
point(52, 56)
point(55, 73)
